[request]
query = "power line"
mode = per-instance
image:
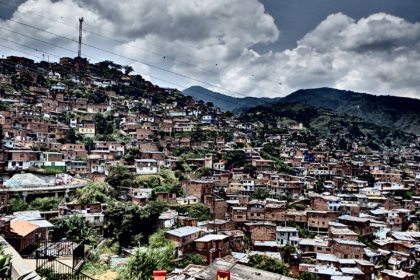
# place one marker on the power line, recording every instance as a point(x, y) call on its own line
point(159, 54)
point(99, 70)
point(145, 63)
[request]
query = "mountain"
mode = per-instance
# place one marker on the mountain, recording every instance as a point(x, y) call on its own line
point(324, 123)
point(390, 111)
point(225, 102)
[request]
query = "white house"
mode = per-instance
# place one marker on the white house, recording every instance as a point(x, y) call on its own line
point(287, 236)
point(146, 166)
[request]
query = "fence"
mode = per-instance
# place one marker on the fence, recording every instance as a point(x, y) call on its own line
point(49, 267)
point(54, 269)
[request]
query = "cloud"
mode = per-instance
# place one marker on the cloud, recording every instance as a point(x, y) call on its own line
point(214, 41)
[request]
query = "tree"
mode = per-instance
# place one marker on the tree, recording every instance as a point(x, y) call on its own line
point(95, 192)
point(70, 137)
point(127, 69)
point(157, 256)
point(74, 228)
point(204, 172)
point(45, 203)
point(192, 259)
point(104, 125)
point(119, 177)
point(5, 264)
point(306, 275)
point(17, 204)
point(269, 264)
point(305, 233)
point(125, 221)
point(286, 252)
point(260, 193)
point(199, 211)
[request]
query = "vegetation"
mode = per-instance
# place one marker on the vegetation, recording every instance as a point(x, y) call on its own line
point(269, 264)
point(124, 222)
point(157, 256)
point(260, 193)
point(5, 264)
point(191, 259)
point(95, 192)
point(119, 177)
point(305, 275)
point(74, 228)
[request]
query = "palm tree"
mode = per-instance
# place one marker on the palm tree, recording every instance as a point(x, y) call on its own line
point(5, 264)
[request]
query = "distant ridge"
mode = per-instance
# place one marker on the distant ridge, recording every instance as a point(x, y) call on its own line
point(390, 111)
point(226, 102)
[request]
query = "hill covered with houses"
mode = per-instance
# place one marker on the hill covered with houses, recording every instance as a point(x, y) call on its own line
point(92, 154)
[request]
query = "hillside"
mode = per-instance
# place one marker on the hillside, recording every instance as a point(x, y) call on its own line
point(391, 111)
point(323, 123)
point(226, 102)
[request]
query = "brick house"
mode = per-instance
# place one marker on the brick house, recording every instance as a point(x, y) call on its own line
point(360, 225)
point(347, 249)
point(318, 220)
point(239, 214)
point(184, 238)
point(261, 231)
point(212, 246)
point(198, 188)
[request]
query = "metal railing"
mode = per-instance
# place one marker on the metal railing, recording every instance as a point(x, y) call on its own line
point(49, 267)
point(54, 269)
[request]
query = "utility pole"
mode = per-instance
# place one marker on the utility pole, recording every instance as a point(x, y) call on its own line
point(79, 52)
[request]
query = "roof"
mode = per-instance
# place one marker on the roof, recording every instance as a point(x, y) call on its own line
point(349, 242)
point(326, 257)
point(237, 272)
point(184, 231)
point(339, 277)
point(286, 229)
point(146, 160)
point(267, 244)
point(42, 224)
point(313, 242)
point(22, 227)
point(28, 215)
point(211, 237)
point(351, 270)
point(396, 273)
point(353, 219)
point(344, 231)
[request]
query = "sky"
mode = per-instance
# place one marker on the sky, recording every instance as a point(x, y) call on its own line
point(263, 48)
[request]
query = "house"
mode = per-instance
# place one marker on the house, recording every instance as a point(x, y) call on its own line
point(318, 220)
point(261, 231)
point(22, 159)
point(396, 275)
point(91, 212)
point(287, 236)
point(342, 233)
point(74, 151)
point(184, 238)
point(87, 130)
point(240, 271)
point(168, 218)
point(198, 188)
point(146, 166)
point(212, 246)
point(239, 214)
point(52, 161)
point(344, 248)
